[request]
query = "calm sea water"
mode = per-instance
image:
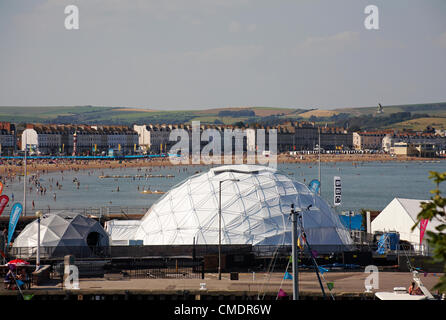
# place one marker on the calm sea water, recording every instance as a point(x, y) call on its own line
point(368, 185)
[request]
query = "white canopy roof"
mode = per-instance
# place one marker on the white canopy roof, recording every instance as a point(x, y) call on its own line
point(255, 210)
point(120, 231)
point(400, 215)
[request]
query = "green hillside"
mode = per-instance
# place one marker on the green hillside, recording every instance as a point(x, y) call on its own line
point(128, 116)
point(367, 117)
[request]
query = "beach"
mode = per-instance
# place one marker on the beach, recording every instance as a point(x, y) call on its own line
point(14, 167)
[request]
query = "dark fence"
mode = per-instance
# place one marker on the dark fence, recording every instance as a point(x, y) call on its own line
point(86, 269)
point(170, 268)
point(113, 252)
point(49, 253)
point(164, 268)
point(126, 251)
point(176, 250)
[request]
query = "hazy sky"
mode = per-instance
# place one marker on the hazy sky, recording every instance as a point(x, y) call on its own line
point(184, 54)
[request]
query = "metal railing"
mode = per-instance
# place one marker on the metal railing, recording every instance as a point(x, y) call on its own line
point(144, 251)
point(85, 268)
point(158, 268)
point(170, 268)
point(54, 253)
point(99, 211)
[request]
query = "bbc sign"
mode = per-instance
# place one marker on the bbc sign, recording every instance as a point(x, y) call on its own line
point(337, 191)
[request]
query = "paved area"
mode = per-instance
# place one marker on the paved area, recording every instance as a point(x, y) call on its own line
point(259, 283)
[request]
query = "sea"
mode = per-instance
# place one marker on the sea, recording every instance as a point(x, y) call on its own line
point(365, 185)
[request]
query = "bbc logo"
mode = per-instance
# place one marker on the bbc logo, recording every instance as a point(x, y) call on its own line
point(337, 191)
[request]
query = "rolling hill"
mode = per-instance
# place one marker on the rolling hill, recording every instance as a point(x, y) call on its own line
point(411, 116)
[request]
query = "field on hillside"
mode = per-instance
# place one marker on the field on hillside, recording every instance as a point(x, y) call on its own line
point(421, 124)
point(259, 111)
point(47, 114)
point(129, 116)
point(318, 113)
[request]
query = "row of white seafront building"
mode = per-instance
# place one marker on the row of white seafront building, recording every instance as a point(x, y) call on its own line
point(289, 136)
point(79, 139)
point(83, 139)
point(154, 138)
point(406, 143)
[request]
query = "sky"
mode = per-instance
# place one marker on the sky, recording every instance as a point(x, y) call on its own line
point(199, 54)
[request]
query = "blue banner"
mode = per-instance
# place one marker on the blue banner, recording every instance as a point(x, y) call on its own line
point(314, 186)
point(14, 216)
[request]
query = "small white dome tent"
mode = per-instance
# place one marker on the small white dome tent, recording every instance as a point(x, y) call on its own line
point(61, 233)
point(255, 210)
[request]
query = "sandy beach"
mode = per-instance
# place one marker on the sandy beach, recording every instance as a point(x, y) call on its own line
point(14, 167)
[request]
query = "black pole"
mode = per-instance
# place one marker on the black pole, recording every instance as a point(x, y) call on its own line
point(311, 254)
point(194, 258)
point(219, 230)
point(350, 222)
point(294, 254)
point(315, 266)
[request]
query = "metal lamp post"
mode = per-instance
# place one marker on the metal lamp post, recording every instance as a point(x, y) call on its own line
point(294, 253)
point(219, 223)
point(319, 161)
point(39, 216)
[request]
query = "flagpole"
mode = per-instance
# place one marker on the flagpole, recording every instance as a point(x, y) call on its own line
point(319, 161)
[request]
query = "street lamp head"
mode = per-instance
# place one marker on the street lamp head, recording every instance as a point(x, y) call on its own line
point(39, 214)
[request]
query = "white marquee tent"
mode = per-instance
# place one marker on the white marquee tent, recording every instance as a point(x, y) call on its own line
point(255, 210)
point(61, 233)
point(400, 215)
point(121, 231)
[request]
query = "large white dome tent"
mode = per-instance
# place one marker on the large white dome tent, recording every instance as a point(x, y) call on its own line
point(61, 233)
point(255, 210)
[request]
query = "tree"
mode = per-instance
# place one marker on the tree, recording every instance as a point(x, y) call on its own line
point(436, 209)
